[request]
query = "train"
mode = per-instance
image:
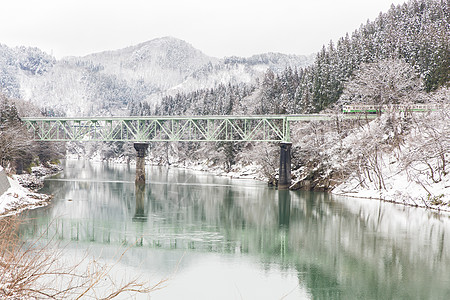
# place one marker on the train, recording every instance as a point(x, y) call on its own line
point(373, 109)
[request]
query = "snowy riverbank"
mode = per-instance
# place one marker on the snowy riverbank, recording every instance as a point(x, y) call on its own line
point(399, 190)
point(240, 171)
point(411, 170)
point(22, 193)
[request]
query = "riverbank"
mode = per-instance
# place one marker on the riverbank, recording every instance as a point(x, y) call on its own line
point(238, 170)
point(399, 157)
point(23, 191)
point(398, 187)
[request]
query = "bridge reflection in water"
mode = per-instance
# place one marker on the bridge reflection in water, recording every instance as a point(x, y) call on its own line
point(340, 249)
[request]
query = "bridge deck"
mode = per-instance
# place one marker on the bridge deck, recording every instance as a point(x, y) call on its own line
point(262, 128)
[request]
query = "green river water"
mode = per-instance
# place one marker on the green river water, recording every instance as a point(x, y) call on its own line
point(221, 238)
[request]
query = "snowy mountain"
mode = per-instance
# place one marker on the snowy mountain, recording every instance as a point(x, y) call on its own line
point(29, 61)
point(162, 62)
point(109, 82)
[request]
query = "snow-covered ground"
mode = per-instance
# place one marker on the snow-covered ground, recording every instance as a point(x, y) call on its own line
point(399, 188)
point(17, 197)
point(241, 171)
point(415, 172)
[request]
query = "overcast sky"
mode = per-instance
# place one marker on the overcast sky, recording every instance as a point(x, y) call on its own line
point(217, 28)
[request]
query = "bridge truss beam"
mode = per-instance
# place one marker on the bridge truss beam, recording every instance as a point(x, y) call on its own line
point(143, 130)
point(161, 129)
point(260, 128)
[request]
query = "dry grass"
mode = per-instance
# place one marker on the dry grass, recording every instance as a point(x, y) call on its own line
point(36, 271)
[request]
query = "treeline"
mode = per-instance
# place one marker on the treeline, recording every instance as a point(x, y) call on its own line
point(222, 100)
point(18, 152)
point(417, 32)
point(109, 94)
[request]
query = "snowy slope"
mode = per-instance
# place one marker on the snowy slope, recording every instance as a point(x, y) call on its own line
point(108, 82)
point(18, 198)
point(412, 173)
point(162, 62)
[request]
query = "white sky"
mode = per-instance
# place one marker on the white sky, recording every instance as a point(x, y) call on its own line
point(217, 28)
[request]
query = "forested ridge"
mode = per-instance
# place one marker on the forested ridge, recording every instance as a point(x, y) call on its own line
point(417, 32)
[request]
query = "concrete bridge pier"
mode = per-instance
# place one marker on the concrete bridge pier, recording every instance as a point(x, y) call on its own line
point(284, 179)
point(141, 149)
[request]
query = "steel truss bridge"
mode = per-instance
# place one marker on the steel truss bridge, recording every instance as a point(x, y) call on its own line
point(260, 128)
point(143, 130)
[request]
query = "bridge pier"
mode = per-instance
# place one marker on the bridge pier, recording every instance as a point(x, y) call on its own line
point(284, 179)
point(141, 149)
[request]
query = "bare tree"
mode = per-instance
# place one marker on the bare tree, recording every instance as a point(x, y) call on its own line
point(16, 145)
point(36, 271)
point(391, 81)
point(14, 142)
point(429, 148)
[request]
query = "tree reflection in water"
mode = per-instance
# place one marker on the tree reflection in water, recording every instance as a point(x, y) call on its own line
point(339, 248)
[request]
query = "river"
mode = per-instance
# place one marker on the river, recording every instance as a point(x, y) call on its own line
point(222, 238)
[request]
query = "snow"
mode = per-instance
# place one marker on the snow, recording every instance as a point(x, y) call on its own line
point(107, 82)
point(400, 189)
point(18, 198)
point(238, 171)
point(413, 172)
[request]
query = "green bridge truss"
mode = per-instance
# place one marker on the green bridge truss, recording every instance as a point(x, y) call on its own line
point(259, 128)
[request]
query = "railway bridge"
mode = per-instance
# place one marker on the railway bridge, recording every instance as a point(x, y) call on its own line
point(146, 129)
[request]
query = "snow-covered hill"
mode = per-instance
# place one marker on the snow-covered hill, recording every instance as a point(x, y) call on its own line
point(109, 82)
point(162, 62)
